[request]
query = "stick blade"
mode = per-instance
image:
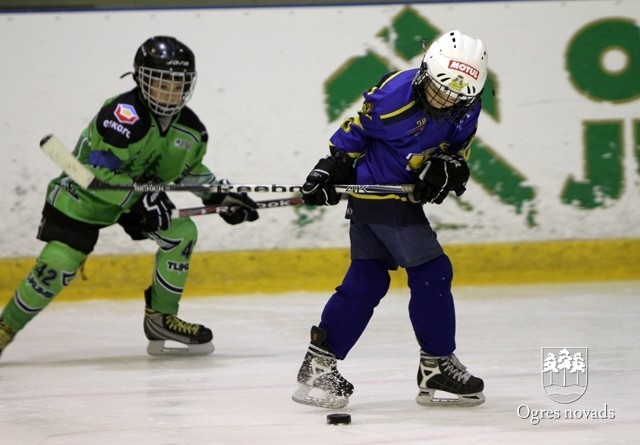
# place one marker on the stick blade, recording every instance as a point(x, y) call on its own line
point(63, 158)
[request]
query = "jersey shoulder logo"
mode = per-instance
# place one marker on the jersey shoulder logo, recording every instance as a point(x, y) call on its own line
point(126, 114)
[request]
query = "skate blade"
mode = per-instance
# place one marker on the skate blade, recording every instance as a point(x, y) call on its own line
point(429, 398)
point(170, 348)
point(308, 395)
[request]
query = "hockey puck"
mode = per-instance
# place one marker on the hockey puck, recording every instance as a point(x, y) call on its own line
point(339, 419)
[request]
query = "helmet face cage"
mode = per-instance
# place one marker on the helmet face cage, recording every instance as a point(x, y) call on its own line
point(165, 72)
point(166, 92)
point(451, 76)
point(439, 101)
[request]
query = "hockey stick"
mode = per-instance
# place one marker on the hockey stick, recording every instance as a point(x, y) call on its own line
point(77, 171)
point(217, 208)
point(83, 177)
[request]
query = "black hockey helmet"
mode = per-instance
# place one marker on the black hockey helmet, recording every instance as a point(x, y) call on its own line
point(165, 70)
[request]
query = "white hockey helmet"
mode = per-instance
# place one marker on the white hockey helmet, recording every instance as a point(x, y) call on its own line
point(451, 76)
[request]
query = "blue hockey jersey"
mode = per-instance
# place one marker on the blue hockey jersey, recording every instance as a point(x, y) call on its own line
point(391, 138)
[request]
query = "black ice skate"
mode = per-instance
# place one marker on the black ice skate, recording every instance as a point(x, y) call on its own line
point(162, 328)
point(447, 374)
point(320, 382)
point(6, 334)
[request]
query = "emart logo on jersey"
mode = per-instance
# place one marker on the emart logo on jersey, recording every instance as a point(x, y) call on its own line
point(565, 372)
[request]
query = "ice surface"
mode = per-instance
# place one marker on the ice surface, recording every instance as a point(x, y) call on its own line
point(79, 373)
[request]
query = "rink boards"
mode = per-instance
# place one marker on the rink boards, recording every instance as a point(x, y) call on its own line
point(277, 271)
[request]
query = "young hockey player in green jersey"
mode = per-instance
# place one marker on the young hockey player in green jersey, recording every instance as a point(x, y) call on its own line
point(147, 134)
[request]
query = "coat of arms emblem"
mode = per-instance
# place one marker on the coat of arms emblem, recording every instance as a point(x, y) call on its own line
point(565, 373)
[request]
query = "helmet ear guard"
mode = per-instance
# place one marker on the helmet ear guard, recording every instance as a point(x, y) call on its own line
point(451, 77)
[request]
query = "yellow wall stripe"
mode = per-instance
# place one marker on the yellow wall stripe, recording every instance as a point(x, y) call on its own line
point(225, 273)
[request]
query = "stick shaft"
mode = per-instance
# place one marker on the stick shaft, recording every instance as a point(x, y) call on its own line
point(211, 209)
point(77, 171)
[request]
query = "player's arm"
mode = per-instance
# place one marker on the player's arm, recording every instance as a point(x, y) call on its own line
point(346, 145)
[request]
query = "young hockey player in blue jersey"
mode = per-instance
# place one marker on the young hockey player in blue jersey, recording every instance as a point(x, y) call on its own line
point(147, 134)
point(415, 127)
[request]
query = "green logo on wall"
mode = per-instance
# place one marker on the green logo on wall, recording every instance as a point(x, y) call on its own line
point(603, 61)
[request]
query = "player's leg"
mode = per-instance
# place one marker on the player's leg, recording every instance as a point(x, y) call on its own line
point(343, 320)
point(416, 248)
point(162, 298)
point(345, 316)
point(348, 311)
point(432, 313)
point(319, 381)
point(54, 269)
point(431, 307)
point(69, 242)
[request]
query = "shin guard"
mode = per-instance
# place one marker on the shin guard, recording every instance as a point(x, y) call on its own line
point(54, 269)
point(350, 308)
point(431, 307)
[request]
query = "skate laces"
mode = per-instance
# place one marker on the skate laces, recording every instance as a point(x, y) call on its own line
point(323, 364)
point(177, 325)
point(322, 353)
point(456, 370)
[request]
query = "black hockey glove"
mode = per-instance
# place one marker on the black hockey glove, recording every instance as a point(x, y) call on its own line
point(441, 173)
point(318, 189)
point(153, 211)
point(241, 207)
